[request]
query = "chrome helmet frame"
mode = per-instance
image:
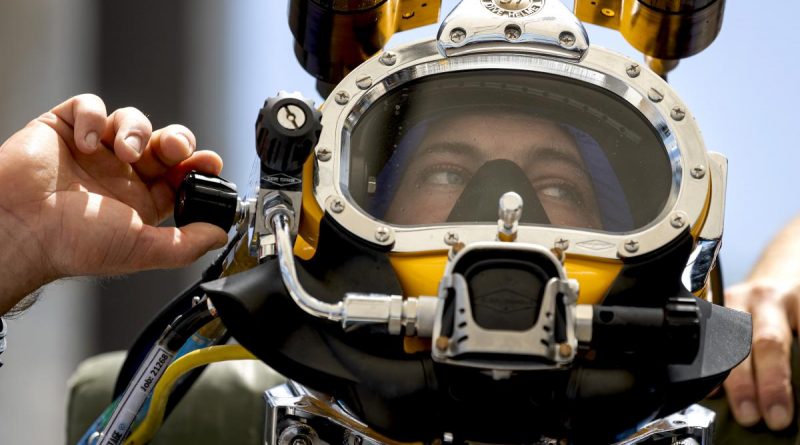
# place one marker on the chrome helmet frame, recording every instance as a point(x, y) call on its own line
point(548, 40)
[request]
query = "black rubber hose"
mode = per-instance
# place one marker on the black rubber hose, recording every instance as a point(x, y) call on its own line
point(177, 306)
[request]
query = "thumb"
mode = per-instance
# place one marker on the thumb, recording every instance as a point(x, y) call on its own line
point(173, 247)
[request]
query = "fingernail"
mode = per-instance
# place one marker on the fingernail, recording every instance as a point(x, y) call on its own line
point(778, 417)
point(748, 413)
point(135, 142)
point(91, 139)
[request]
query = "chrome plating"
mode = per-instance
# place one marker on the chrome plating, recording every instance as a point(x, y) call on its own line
point(543, 27)
point(694, 425)
point(599, 67)
point(291, 405)
point(704, 256)
point(291, 402)
point(415, 314)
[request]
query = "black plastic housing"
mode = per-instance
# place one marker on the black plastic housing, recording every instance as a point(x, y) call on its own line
point(206, 198)
point(409, 397)
point(282, 150)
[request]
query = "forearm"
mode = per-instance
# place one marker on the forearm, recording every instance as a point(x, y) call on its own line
point(781, 258)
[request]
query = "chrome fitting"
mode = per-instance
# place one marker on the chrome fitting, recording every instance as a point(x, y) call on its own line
point(509, 214)
point(415, 314)
point(584, 315)
point(275, 203)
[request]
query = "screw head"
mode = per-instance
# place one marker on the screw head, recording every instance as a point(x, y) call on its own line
point(337, 205)
point(291, 117)
point(678, 220)
point(457, 35)
point(631, 246)
point(324, 154)
point(608, 12)
point(564, 350)
point(364, 82)
point(451, 238)
point(388, 58)
point(655, 95)
point(678, 113)
point(382, 234)
point(698, 171)
point(341, 97)
point(561, 243)
point(633, 70)
point(442, 343)
point(566, 39)
point(513, 32)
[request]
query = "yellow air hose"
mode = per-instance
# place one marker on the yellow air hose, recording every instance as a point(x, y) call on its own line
point(155, 415)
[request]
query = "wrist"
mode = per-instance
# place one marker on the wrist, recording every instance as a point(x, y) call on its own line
point(25, 268)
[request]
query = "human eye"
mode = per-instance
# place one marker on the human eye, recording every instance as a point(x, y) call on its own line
point(443, 176)
point(562, 192)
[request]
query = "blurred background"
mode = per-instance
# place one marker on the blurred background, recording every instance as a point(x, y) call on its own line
point(210, 65)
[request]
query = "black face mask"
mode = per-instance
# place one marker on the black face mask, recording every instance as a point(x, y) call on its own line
point(479, 200)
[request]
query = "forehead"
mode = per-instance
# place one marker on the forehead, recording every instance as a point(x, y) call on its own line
point(519, 136)
point(493, 123)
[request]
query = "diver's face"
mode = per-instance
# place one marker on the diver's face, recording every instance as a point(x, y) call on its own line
point(455, 148)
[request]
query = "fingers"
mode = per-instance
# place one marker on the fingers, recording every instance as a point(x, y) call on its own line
point(761, 386)
point(171, 247)
point(742, 398)
point(772, 340)
point(740, 386)
point(205, 161)
point(86, 114)
point(128, 131)
point(167, 147)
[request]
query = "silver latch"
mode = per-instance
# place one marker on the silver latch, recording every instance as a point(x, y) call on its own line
point(544, 27)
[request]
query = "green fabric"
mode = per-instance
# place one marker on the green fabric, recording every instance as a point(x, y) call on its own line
point(728, 432)
point(225, 405)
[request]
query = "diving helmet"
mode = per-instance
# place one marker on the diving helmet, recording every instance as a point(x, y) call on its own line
point(502, 235)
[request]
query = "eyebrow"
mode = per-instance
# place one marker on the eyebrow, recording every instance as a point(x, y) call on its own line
point(445, 147)
point(555, 155)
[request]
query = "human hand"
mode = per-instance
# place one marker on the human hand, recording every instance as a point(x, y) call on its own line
point(84, 192)
point(760, 387)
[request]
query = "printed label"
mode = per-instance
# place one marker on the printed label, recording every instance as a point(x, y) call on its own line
point(135, 395)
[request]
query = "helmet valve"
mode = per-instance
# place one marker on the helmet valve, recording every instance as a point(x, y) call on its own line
point(509, 215)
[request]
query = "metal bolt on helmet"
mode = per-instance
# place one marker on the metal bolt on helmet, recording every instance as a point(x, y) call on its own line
point(500, 216)
point(538, 52)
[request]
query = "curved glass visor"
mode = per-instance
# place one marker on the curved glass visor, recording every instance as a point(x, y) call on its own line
point(443, 149)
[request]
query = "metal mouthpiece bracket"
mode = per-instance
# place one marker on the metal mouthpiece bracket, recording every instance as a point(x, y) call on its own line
point(494, 318)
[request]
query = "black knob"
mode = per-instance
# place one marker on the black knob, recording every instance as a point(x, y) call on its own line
point(287, 128)
point(206, 198)
point(682, 328)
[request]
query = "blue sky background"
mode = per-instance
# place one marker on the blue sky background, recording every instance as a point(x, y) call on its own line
point(742, 90)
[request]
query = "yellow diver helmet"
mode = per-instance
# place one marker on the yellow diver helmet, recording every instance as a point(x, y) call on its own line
point(502, 235)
